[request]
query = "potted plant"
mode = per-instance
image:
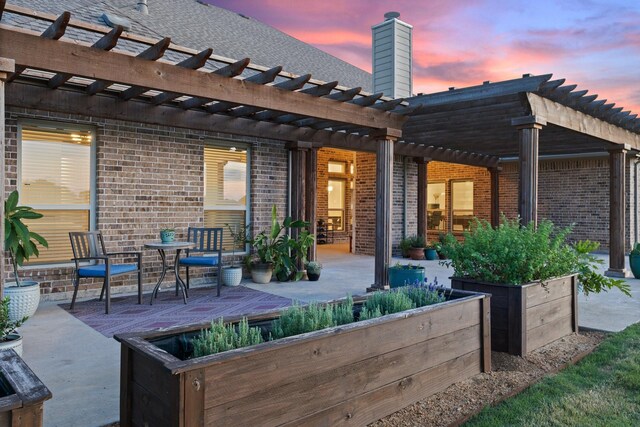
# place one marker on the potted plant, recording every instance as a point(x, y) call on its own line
point(431, 251)
point(167, 235)
point(405, 274)
point(9, 337)
point(416, 247)
point(443, 239)
point(277, 251)
point(634, 261)
point(532, 274)
point(232, 274)
point(21, 245)
point(313, 270)
point(405, 244)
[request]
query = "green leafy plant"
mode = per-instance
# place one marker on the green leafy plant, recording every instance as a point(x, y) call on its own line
point(167, 230)
point(515, 255)
point(278, 248)
point(19, 241)
point(238, 238)
point(417, 241)
point(408, 266)
point(6, 326)
point(314, 267)
point(590, 280)
point(221, 337)
point(636, 250)
point(405, 244)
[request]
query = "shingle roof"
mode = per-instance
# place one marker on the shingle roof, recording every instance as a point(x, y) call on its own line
point(200, 26)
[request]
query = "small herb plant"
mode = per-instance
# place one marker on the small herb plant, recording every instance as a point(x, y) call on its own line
point(515, 255)
point(221, 337)
point(408, 266)
point(417, 241)
point(314, 267)
point(297, 320)
point(19, 241)
point(6, 326)
point(636, 250)
point(167, 230)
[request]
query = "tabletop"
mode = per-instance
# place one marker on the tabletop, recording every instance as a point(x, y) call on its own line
point(170, 245)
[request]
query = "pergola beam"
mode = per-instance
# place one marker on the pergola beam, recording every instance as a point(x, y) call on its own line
point(71, 101)
point(106, 42)
point(151, 54)
point(230, 70)
point(561, 115)
point(291, 85)
point(92, 63)
point(315, 91)
point(53, 32)
point(193, 63)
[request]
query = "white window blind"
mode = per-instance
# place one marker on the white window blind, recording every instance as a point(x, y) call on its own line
point(55, 179)
point(225, 197)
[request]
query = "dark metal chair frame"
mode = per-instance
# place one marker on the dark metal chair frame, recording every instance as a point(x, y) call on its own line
point(88, 246)
point(208, 240)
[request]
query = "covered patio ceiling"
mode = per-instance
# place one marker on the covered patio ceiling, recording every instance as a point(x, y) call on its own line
point(479, 119)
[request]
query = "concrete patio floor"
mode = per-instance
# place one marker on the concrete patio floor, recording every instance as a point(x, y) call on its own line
point(82, 367)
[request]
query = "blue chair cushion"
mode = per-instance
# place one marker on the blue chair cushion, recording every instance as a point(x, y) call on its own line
point(99, 270)
point(202, 261)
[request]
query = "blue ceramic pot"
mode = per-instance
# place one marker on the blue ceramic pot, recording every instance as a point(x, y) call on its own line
point(167, 236)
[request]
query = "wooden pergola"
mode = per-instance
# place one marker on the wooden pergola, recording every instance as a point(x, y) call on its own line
point(525, 118)
point(125, 76)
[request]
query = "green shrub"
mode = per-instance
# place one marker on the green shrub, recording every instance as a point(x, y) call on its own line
point(221, 337)
point(416, 241)
point(515, 255)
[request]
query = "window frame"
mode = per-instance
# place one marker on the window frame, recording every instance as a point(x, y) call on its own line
point(228, 143)
point(93, 179)
point(451, 210)
point(340, 162)
point(344, 202)
point(445, 211)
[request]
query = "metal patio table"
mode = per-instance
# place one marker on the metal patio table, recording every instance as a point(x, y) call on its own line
point(162, 247)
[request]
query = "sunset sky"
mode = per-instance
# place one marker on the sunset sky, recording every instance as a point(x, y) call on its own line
point(592, 43)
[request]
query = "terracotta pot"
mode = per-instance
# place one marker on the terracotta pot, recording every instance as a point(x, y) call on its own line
point(416, 254)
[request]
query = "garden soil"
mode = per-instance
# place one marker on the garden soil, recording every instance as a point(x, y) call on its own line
point(509, 376)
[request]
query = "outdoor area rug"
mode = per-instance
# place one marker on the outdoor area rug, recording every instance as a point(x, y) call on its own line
point(168, 309)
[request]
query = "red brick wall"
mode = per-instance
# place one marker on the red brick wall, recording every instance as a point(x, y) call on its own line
point(149, 177)
point(449, 172)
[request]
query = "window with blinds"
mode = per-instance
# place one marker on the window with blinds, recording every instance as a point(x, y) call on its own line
point(55, 179)
point(225, 190)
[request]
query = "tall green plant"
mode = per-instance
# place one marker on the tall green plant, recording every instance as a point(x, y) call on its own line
point(280, 249)
point(19, 241)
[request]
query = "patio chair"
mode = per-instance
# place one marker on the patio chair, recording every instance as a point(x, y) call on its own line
point(88, 246)
point(207, 241)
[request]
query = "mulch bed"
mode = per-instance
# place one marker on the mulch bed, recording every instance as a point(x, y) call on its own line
point(510, 375)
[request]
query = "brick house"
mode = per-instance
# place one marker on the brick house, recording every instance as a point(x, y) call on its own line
point(130, 160)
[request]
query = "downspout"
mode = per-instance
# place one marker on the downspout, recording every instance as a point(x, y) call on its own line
point(635, 202)
point(404, 196)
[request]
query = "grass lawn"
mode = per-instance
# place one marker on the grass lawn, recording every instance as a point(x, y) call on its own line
point(602, 390)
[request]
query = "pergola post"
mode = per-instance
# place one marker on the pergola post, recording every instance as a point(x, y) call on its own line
point(310, 197)
point(494, 173)
point(384, 140)
point(297, 179)
point(617, 210)
point(422, 195)
point(7, 66)
point(528, 130)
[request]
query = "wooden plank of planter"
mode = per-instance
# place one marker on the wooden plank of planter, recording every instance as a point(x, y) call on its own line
point(194, 392)
point(517, 320)
point(542, 335)
point(543, 314)
point(371, 406)
point(225, 383)
point(157, 387)
point(485, 342)
point(552, 290)
point(278, 405)
point(126, 373)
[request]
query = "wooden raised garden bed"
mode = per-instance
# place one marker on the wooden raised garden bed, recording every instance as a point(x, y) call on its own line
point(526, 317)
point(22, 394)
point(346, 375)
